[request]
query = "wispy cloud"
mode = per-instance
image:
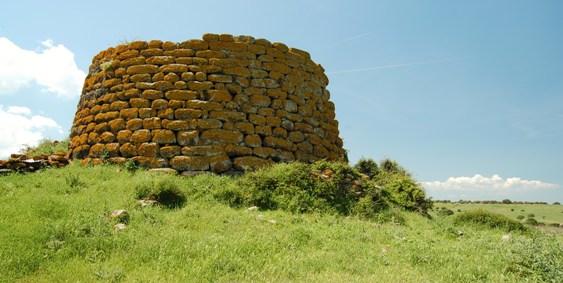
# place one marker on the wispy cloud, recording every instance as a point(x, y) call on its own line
point(351, 38)
point(390, 66)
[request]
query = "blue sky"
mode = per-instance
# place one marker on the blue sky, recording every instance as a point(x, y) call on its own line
point(468, 96)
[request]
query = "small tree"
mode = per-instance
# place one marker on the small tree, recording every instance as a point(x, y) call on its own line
point(506, 201)
point(367, 167)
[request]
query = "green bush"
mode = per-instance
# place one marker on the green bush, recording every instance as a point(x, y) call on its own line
point(164, 191)
point(530, 215)
point(445, 212)
point(520, 217)
point(531, 221)
point(488, 219)
point(296, 187)
point(330, 187)
point(367, 167)
point(404, 192)
point(391, 166)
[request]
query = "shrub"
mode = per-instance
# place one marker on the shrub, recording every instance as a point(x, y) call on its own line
point(367, 167)
point(391, 166)
point(531, 215)
point(556, 203)
point(131, 165)
point(531, 221)
point(520, 217)
point(506, 201)
point(488, 219)
point(445, 212)
point(164, 191)
point(403, 191)
point(330, 187)
point(300, 187)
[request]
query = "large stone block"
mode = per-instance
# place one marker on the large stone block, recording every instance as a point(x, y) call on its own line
point(190, 163)
point(222, 136)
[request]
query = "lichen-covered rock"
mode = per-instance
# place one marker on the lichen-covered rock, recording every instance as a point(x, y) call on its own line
point(221, 103)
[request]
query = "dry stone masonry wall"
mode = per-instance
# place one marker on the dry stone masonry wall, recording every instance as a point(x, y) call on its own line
point(221, 103)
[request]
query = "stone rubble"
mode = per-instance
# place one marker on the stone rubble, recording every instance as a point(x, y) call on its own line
point(24, 163)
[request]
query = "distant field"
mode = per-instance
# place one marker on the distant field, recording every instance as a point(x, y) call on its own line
point(545, 213)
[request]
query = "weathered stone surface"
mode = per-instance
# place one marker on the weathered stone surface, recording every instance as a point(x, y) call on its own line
point(140, 136)
point(170, 151)
point(163, 136)
point(221, 136)
point(188, 137)
point(148, 149)
point(142, 69)
point(202, 150)
point(253, 140)
point(190, 163)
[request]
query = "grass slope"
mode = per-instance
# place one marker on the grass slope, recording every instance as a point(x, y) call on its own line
point(54, 227)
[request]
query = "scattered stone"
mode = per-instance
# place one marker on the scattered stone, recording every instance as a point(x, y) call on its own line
point(253, 208)
point(505, 237)
point(119, 227)
point(164, 171)
point(6, 171)
point(272, 221)
point(146, 202)
point(120, 215)
point(23, 163)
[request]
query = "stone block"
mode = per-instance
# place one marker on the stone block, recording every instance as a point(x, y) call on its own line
point(187, 138)
point(190, 163)
point(221, 136)
point(148, 149)
point(142, 69)
point(163, 136)
point(140, 136)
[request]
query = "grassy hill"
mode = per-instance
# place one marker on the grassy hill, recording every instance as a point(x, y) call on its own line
point(55, 226)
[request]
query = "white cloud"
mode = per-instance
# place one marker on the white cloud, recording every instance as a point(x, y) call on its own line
point(18, 127)
point(19, 110)
point(52, 67)
point(494, 184)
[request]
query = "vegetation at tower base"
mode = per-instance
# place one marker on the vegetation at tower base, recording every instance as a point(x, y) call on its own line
point(329, 187)
point(218, 104)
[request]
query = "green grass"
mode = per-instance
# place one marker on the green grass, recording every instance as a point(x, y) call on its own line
point(46, 147)
point(55, 227)
point(546, 213)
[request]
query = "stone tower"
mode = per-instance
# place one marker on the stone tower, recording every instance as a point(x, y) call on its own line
point(221, 103)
